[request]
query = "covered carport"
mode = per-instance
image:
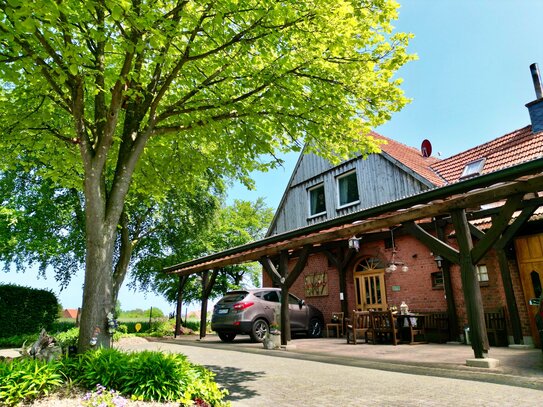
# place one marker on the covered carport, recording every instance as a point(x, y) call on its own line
point(510, 197)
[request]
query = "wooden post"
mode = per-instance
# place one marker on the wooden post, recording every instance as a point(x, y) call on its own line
point(447, 283)
point(203, 306)
point(182, 282)
point(470, 285)
point(285, 317)
point(510, 297)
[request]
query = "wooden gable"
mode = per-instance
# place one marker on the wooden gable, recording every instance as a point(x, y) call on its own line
point(380, 179)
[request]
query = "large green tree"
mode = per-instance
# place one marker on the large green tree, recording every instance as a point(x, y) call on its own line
point(119, 95)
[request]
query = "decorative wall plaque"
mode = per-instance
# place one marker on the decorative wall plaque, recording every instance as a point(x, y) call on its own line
point(316, 284)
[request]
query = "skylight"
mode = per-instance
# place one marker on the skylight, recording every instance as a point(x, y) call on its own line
point(473, 168)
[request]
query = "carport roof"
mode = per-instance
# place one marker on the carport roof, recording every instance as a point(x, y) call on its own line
point(486, 188)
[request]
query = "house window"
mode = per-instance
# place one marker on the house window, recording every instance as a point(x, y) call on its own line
point(347, 189)
point(473, 168)
point(317, 202)
point(482, 273)
point(437, 279)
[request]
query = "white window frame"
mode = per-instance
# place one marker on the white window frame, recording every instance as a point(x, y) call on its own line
point(482, 272)
point(473, 168)
point(309, 190)
point(340, 177)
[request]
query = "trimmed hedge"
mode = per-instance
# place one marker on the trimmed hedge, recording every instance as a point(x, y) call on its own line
point(25, 310)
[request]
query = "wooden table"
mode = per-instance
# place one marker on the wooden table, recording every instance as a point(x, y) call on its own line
point(413, 325)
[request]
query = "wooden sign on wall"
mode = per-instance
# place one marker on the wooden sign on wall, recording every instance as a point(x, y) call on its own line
point(316, 284)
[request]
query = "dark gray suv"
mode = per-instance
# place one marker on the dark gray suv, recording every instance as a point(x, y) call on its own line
point(251, 311)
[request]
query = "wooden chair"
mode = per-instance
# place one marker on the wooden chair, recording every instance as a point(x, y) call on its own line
point(338, 325)
point(384, 327)
point(414, 325)
point(359, 325)
point(496, 327)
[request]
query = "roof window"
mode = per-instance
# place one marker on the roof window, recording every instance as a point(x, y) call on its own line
point(473, 168)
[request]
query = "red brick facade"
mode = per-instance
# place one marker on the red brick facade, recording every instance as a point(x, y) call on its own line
point(414, 286)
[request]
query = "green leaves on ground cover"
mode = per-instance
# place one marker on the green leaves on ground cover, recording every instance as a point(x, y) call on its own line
point(145, 376)
point(28, 379)
point(148, 376)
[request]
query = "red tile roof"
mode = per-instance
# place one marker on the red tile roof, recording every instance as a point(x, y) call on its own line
point(506, 151)
point(411, 158)
point(70, 313)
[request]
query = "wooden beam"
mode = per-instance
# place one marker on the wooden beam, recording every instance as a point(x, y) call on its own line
point(499, 224)
point(270, 269)
point(429, 210)
point(447, 283)
point(433, 243)
point(341, 261)
point(470, 286)
point(510, 299)
point(512, 230)
point(285, 317)
point(298, 268)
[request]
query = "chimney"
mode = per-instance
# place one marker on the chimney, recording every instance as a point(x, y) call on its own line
point(536, 107)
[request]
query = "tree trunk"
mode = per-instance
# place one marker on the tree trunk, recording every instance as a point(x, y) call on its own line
point(98, 287)
point(97, 291)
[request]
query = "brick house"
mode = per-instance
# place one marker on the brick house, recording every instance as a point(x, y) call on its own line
point(368, 233)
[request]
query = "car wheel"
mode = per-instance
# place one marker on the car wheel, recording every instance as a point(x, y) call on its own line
point(226, 336)
point(315, 328)
point(260, 328)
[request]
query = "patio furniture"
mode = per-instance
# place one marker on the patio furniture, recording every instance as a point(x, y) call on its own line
point(496, 328)
point(337, 324)
point(358, 326)
point(412, 326)
point(384, 327)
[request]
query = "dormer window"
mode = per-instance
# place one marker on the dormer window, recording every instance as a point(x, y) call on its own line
point(317, 201)
point(473, 168)
point(347, 186)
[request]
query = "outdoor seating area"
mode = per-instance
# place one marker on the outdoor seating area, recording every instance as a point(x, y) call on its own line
point(385, 327)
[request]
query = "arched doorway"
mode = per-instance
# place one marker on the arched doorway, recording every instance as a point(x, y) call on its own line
point(369, 284)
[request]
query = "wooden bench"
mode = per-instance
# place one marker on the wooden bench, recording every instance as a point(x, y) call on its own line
point(436, 326)
point(496, 327)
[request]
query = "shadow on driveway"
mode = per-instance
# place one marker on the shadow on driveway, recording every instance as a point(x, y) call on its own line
point(234, 381)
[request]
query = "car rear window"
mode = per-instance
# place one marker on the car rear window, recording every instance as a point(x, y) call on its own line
point(234, 297)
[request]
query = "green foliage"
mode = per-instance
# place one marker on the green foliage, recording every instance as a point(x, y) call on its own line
point(62, 325)
point(67, 338)
point(24, 380)
point(17, 341)
point(162, 327)
point(145, 376)
point(26, 310)
point(141, 314)
point(130, 104)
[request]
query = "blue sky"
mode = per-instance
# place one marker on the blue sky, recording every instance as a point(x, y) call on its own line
point(469, 86)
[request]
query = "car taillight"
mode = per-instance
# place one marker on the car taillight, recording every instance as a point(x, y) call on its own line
point(239, 306)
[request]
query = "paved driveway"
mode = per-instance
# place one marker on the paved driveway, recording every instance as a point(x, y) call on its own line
point(256, 377)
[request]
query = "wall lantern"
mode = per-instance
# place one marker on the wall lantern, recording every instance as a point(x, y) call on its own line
point(354, 243)
point(439, 261)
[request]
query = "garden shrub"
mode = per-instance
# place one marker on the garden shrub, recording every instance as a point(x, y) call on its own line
point(146, 376)
point(17, 341)
point(63, 325)
point(26, 310)
point(67, 339)
point(24, 380)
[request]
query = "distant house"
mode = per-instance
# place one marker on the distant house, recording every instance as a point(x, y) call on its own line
point(460, 237)
point(71, 313)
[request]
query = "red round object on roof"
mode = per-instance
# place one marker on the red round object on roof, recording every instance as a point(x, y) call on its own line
point(426, 148)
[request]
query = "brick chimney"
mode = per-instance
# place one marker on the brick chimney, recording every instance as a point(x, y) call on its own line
point(536, 107)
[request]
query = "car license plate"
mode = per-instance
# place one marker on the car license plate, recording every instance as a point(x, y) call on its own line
point(222, 311)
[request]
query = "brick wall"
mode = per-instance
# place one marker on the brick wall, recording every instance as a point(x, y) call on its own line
point(414, 286)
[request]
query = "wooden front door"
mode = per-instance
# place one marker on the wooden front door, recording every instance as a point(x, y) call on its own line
point(369, 285)
point(530, 261)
